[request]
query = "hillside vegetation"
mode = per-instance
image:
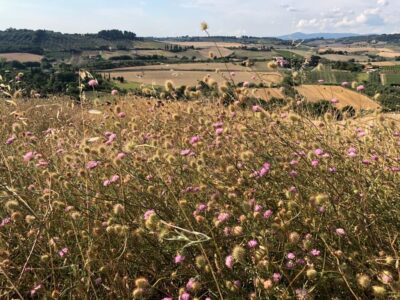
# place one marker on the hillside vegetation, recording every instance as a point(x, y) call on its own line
point(141, 199)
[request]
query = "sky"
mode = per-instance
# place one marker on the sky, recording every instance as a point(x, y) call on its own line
point(182, 17)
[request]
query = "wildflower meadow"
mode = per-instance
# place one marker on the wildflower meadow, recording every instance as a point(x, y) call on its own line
point(133, 198)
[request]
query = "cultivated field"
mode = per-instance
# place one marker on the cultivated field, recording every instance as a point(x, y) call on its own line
point(345, 96)
point(189, 74)
point(139, 199)
point(182, 77)
point(21, 57)
point(206, 44)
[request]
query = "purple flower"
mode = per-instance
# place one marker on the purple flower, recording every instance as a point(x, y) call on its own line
point(252, 244)
point(319, 152)
point(340, 231)
point(332, 170)
point(268, 214)
point(29, 156)
point(222, 217)
point(149, 213)
point(11, 140)
point(92, 164)
point(291, 255)
point(179, 259)
point(229, 262)
point(315, 252)
point(194, 140)
point(186, 152)
point(201, 207)
point(352, 152)
point(315, 163)
point(276, 277)
point(5, 221)
point(114, 178)
point(93, 83)
point(185, 296)
point(219, 131)
point(63, 252)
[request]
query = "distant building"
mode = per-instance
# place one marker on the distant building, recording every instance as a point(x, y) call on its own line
point(281, 61)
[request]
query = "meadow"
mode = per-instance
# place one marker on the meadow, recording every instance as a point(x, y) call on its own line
point(137, 199)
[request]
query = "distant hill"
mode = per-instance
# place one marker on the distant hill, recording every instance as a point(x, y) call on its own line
point(374, 38)
point(40, 41)
point(309, 36)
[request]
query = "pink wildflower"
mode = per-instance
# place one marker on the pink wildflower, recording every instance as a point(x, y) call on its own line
point(340, 231)
point(194, 140)
point(268, 214)
point(252, 244)
point(93, 83)
point(114, 92)
point(11, 140)
point(63, 252)
point(149, 213)
point(179, 259)
point(229, 262)
point(29, 156)
point(92, 164)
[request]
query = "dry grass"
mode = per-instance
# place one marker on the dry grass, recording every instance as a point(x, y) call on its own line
point(345, 96)
point(22, 57)
point(207, 44)
point(144, 200)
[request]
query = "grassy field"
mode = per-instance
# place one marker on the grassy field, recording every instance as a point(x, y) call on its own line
point(133, 199)
point(330, 76)
point(315, 93)
point(337, 57)
point(390, 78)
point(207, 44)
point(21, 57)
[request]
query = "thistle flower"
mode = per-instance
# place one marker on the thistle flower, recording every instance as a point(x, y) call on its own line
point(93, 83)
point(276, 277)
point(315, 252)
point(29, 156)
point(204, 26)
point(340, 231)
point(11, 140)
point(179, 259)
point(63, 252)
point(360, 88)
point(252, 244)
point(92, 165)
point(148, 214)
point(194, 140)
point(229, 261)
point(267, 214)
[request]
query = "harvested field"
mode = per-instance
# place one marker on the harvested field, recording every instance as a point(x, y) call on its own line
point(183, 77)
point(21, 57)
point(315, 93)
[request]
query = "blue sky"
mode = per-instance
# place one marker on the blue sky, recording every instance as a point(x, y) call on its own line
point(225, 17)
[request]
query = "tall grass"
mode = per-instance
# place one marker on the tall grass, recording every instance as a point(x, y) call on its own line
point(150, 200)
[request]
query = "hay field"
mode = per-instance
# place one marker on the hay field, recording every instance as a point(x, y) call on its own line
point(21, 57)
point(210, 67)
point(217, 52)
point(346, 97)
point(206, 44)
point(183, 77)
point(269, 93)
